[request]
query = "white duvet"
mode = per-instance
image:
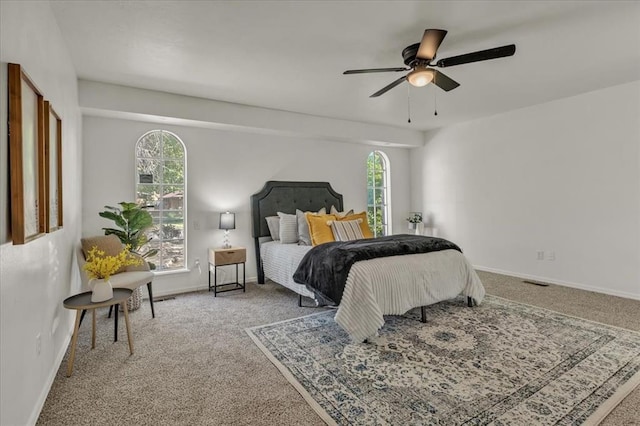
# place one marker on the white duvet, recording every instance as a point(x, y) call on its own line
point(383, 286)
point(279, 263)
point(394, 285)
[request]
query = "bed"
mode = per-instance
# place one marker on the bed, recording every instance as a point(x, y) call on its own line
point(286, 196)
point(373, 288)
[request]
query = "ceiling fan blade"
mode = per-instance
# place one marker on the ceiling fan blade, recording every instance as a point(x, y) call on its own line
point(375, 70)
point(429, 45)
point(444, 82)
point(388, 87)
point(481, 55)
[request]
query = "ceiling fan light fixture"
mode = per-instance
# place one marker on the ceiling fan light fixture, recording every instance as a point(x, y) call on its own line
point(420, 76)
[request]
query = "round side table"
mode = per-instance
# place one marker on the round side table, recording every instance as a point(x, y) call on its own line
point(81, 302)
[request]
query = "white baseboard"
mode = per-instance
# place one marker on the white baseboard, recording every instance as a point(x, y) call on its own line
point(602, 290)
point(33, 418)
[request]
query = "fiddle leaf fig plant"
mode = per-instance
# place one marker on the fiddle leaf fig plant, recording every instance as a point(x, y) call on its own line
point(132, 222)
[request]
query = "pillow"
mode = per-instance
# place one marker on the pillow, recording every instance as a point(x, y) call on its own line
point(304, 238)
point(364, 225)
point(109, 244)
point(319, 231)
point(273, 222)
point(288, 228)
point(338, 214)
point(346, 230)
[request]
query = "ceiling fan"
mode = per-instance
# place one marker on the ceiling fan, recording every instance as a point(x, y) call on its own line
point(419, 58)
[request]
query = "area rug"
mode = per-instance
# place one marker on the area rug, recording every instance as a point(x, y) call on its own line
point(502, 363)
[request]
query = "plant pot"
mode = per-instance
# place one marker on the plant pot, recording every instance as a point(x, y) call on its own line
point(412, 225)
point(101, 291)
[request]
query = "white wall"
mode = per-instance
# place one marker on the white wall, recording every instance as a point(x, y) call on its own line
point(36, 277)
point(559, 177)
point(224, 169)
point(107, 99)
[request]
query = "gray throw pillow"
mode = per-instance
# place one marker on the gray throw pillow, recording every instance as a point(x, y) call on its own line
point(304, 238)
point(288, 228)
point(273, 222)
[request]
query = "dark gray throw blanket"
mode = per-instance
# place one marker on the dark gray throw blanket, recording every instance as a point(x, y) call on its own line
point(325, 267)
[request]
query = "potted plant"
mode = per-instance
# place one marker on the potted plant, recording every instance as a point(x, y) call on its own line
point(100, 267)
point(132, 222)
point(414, 219)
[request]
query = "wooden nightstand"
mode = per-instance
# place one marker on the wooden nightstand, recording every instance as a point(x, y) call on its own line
point(222, 257)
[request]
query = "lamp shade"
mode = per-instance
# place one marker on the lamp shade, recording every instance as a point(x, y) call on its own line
point(227, 221)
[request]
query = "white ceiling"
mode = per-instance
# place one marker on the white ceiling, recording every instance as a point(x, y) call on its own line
point(290, 55)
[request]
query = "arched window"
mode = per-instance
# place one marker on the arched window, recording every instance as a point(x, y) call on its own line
point(378, 197)
point(161, 186)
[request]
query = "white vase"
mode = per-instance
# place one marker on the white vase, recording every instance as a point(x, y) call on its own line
point(101, 290)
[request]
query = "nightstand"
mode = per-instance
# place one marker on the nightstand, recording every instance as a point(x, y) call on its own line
point(222, 257)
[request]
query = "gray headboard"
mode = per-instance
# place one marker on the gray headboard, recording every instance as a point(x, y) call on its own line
point(286, 197)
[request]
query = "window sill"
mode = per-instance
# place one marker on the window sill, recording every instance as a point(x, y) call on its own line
point(172, 272)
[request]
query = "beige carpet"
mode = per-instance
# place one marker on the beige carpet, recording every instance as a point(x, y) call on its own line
point(195, 365)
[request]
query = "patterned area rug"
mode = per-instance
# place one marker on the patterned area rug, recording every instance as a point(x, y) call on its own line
point(502, 363)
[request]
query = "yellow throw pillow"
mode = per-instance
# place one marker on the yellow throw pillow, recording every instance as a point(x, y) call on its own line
point(364, 225)
point(319, 231)
point(338, 214)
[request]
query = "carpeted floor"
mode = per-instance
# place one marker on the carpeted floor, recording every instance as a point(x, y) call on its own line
point(195, 365)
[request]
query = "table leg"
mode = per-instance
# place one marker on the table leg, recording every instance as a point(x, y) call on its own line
point(74, 340)
point(126, 321)
point(115, 322)
point(93, 329)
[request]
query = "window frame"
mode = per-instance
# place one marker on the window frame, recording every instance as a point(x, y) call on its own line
point(161, 210)
point(386, 196)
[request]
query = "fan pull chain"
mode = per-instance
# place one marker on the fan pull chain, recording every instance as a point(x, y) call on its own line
point(409, 103)
point(435, 103)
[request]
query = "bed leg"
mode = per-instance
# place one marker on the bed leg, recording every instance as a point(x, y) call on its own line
point(259, 262)
point(470, 301)
point(299, 300)
point(423, 311)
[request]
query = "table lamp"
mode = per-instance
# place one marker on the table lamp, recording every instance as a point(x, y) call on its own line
point(227, 221)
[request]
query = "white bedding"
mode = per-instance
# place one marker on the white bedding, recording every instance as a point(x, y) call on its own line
point(280, 261)
point(394, 285)
point(383, 286)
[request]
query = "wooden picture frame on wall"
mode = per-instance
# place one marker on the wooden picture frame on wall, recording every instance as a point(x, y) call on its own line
point(26, 157)
point(53, 167)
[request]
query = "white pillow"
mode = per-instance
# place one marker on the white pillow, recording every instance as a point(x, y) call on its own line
point(346, 230)
point(273, 222)
point(304, 239)
point(288, 228)
point(338, 214)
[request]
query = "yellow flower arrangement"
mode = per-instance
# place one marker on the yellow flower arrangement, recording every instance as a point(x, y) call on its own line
point(100, 266)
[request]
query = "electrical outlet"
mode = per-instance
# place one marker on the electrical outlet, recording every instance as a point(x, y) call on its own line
point(196, 262)
point(196, 225)
point(540, 254)
point(551, 255)
point(38, 344)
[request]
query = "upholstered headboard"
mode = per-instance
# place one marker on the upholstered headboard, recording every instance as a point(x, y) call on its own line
point(286, 197)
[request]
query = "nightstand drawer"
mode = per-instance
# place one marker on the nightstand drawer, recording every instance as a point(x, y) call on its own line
point(230, 256)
